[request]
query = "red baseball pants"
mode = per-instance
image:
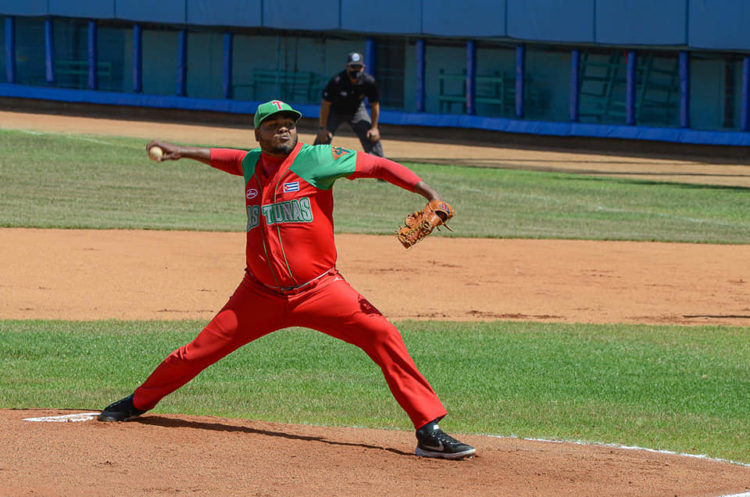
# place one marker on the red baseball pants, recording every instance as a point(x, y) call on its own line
point(329, 305)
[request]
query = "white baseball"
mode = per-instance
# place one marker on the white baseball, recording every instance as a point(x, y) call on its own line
point(155, 153)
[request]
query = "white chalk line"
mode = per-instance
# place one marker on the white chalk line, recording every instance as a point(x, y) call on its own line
point(67, 418)
point(72, 137)
point(634, 447)
point(644, 449)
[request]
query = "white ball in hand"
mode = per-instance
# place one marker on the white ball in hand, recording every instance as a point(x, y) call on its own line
point(155, 153)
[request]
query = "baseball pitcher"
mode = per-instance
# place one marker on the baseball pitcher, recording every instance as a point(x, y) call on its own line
point(291, 277)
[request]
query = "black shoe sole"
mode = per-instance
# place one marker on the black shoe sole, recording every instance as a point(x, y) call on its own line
point(446, 455)
point(115, 418)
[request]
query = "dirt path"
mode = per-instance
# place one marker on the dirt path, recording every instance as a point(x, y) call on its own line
point(121, 274)
point(83, 275)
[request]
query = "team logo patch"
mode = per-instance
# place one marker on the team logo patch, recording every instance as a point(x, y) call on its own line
point(338, 152)
point(290, 211)
point(291, 187)
point(251, 193)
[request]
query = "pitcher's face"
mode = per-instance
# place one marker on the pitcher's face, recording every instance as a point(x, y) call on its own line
point(277, 135)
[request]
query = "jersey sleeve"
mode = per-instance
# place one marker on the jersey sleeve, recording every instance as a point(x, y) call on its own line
point(228, 160)
point(322, 165)
point(370, 166)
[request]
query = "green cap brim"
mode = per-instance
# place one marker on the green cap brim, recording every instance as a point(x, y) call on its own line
point(272, 108)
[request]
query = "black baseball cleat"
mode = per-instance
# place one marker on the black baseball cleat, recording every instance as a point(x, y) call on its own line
point(122, 410)
point(434, 442)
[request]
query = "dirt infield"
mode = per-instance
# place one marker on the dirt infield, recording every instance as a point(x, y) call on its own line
point(120, 274)
point(209, 456)
point(174, 275)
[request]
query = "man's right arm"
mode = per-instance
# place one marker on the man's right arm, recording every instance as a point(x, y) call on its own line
point(324, 136)
point(225, 159)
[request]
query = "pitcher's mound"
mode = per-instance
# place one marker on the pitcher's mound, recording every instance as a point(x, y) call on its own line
point(178, 455)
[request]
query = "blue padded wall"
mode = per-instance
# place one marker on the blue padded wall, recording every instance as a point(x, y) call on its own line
point(384, 16)
point(162, 11)
point(551, 20)
point(301, 14)
point(224, 12)
point(462, 18)
point(96, 9)
point(641, 22)
point(699, 24)
point(719, 24)
point(23, 7)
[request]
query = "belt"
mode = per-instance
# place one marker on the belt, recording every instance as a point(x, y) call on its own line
point(287, 290)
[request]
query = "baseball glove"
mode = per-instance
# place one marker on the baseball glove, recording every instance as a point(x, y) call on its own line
point(419, 224)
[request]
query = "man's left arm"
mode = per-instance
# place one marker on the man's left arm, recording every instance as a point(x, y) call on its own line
point(374, 132)
point(419, 224)
point(427, 191)
point(370, 166)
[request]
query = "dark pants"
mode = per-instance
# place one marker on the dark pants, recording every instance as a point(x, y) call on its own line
point(360, 124)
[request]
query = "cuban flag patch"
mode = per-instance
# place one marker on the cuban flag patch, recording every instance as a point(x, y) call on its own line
point(291, 187)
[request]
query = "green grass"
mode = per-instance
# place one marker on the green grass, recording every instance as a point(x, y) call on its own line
point(664, 387)
point(71, 181)
point(676, 388)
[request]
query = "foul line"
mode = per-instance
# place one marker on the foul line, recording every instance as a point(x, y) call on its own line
point(634, 447)
point(70, 136)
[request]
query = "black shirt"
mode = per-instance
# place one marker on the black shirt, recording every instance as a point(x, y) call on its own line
point(345, 96)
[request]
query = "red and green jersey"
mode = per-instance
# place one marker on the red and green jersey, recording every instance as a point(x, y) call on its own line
point(289, 205)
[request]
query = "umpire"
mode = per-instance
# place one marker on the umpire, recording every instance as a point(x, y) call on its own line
point(344, 100)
